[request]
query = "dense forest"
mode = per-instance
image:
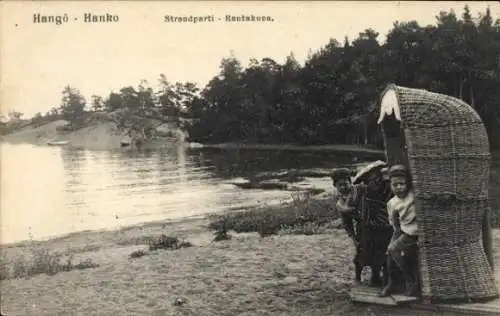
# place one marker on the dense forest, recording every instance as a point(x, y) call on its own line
point(333, 97)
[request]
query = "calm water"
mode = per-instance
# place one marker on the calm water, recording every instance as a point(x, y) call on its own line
point(50, 191)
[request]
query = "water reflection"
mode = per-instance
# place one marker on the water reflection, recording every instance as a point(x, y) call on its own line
point(28, 174)
point(243, 162)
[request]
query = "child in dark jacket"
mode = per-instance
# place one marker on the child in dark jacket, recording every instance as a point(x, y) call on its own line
point(362, 209)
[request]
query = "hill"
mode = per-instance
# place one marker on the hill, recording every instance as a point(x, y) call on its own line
point(100, 131)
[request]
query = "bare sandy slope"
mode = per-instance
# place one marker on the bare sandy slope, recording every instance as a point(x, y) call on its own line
point(100, 135)
point(247, 275)
point(35, 135)
point(97, 136)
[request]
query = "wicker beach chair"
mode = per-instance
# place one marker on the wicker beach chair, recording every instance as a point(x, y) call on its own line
point(444, 143)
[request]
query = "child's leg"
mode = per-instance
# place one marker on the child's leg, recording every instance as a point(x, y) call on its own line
point(358, 267)
point(411, 265)
point(394, 257)
point(375, 278)
point(390, 278)
point(399, 251)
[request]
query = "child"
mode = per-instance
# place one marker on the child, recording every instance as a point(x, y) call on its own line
point(402, 216)
point(348, 203)
point(363, 212)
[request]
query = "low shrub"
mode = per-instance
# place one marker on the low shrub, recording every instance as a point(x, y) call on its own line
point(303, 229)
point(270, 220)
point(39, 261)
point(138, 254)
point(168, 243)
point(221, 232)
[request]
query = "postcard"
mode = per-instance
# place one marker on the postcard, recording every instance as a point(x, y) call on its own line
point(249, 157)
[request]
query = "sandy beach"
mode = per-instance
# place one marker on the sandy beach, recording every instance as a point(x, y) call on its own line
point(247, 275)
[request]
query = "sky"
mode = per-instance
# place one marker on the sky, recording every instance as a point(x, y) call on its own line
point(38, 59)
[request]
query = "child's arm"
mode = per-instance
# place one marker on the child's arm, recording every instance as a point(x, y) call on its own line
point(347, 222)
point(410, 220)
point(393, 216)
point(396, 223)
point(411, 214)
point(394, 220)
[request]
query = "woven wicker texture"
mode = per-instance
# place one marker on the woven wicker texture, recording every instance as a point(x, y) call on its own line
point(449, 157)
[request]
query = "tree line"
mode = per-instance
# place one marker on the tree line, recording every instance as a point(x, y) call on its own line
point(127, 107)
point(332, 98)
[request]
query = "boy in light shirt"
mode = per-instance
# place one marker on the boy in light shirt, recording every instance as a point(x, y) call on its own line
point(402, 216)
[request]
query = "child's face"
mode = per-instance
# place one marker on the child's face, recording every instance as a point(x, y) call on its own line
point(399, 186)
point(374, 180)
point(343, 186)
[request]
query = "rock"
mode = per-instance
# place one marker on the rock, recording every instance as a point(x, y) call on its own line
point(195, 145)
point(264, 185)
point(273, 185)
point(286, 176)
point(289, 280)
point(337, 224)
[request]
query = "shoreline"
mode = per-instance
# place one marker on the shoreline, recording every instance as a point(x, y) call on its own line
point(107, 233)
point(356, 150)
point(105, 136)
point(339, 148)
